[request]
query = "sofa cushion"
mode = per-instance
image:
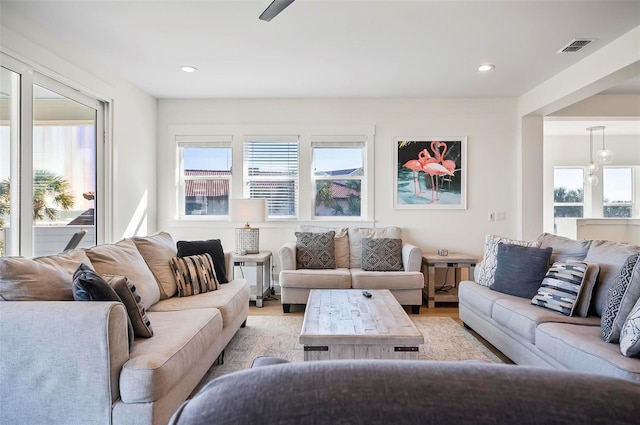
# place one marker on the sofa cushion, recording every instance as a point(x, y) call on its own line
point(315, 250)
point(194, 274)
point(521, 317)
point(124, 259)
point(580, 348)
point(355, 241)
point(621, 298)
point(90, 286)
point(213, 247)
point(316, 279)
point(157, 365)
point(564, 249)
point(562, 286)
point(231, 299)
point(520, 269)
point(363, 279)
point(485, 271)
point(611, 256)
point(158, 250)
point(21, 278)
point(341, 240)
point(478, 297)
point(381, 254)
point(630, 333)
point(136, 310)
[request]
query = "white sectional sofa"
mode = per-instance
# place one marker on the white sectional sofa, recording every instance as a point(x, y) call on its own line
point(534, 336)
point(405, 284)
point(69, 362)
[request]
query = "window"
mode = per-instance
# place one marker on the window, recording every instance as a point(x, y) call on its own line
point(338, 172)
point(617, 191)
point(568, 192)
point(270, 171)
point(205, 175)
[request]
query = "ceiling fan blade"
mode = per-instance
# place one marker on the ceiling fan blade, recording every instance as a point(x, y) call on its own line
point(274, 9)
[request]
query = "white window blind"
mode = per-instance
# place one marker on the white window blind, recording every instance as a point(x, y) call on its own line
point(270, 170)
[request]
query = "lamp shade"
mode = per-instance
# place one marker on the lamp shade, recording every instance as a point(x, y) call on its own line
point(248, 210)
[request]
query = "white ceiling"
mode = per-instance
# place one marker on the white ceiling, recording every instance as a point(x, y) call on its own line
point(330, 48)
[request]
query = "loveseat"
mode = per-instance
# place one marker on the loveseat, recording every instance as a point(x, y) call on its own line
point(336, 262)
point(532, 335)
point(382, 392)
point(70, 362)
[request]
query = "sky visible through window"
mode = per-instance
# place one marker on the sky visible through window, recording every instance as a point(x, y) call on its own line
point(617, 181)
point(207, 159)
point(330, 159)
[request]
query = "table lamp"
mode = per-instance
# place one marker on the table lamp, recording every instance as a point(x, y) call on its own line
point(248, 210)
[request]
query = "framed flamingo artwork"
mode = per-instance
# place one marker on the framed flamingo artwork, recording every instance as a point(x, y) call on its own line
point(430, 173)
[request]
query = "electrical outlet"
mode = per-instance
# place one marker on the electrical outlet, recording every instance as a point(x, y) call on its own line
point(492, 216)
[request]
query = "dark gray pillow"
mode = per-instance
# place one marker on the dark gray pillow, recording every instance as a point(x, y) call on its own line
point(520, 269)
point(128, 293)
point(90, 286)
point(381, 254)
point(315, 250)
point(621, 298)
point(213, 247)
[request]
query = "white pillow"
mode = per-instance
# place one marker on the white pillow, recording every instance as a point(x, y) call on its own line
point(630, 333)
point(485, 272)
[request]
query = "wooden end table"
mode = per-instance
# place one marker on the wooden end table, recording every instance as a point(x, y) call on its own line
point(455, 261)
point(262, 262)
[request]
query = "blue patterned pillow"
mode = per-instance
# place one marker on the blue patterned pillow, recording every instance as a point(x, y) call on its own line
point(621, 298)
point(561, 287)
point(382, 254)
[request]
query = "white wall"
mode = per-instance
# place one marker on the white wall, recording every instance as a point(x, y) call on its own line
point(131, 150)
point(489, 125)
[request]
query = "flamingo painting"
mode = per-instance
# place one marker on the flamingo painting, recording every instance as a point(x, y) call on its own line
point(416, 167)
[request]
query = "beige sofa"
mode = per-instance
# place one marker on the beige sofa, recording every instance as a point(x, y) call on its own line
point(534, 336)
point(406, 285)
point(68, 362)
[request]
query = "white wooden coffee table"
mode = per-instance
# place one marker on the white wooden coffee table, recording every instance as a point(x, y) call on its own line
point(344, 324)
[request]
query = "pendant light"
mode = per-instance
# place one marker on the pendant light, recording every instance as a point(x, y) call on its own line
point(592, 178)
point(604, 156)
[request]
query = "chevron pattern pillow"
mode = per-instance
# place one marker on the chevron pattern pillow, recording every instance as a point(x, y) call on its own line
point(621, 298)
point(194, 274)
point(382, 254)
point(315, 250)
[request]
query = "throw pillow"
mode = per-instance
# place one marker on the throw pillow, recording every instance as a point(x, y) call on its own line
point(520, 269)
point(621, 298)
point(213, 247)
point(341, 241)
point(382, 254)
point(315, 250)
point(630, 333)
point(564, 249)
point(355, 241)
point(485, 272)
point(90, 286)
point(127, 292)
point(194, 274)
point(561, 287)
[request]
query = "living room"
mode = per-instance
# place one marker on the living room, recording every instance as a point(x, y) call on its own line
point(509, 163)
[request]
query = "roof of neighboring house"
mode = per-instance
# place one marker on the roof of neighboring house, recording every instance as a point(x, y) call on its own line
point(84, 219)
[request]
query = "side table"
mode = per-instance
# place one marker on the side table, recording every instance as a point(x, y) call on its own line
point(262, 262)
point(455, 261)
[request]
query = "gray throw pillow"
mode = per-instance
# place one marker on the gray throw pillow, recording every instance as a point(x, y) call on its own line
point(562, 287)
point(520, 269)
point(621, 298)
point(630, 333)
point(90, 286)
point(382, 254)
point(315, 250)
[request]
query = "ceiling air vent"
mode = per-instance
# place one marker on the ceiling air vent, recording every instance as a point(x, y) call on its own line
point(575, 45)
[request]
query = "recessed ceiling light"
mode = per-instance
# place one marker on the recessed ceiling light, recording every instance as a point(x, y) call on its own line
point(485, 68)
point(188, 68)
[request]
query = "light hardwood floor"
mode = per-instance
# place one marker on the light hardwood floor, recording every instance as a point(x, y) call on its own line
point(273, 307)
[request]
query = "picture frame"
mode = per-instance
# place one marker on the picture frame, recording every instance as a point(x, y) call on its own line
point(430, 173)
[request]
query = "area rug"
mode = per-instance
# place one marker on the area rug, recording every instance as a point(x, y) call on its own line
point(278, 336)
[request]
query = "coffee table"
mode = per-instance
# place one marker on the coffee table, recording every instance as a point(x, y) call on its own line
point(344, 324)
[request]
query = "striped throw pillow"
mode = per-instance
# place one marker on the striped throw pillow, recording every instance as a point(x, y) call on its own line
point(194, 274)
point(561, 287)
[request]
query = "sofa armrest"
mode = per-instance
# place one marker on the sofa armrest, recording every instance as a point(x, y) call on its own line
point(60, 362)
point(411, 258)
point(287, 254)
point(228, 263)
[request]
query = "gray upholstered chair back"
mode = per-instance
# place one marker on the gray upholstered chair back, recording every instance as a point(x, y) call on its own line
point(383, 392)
